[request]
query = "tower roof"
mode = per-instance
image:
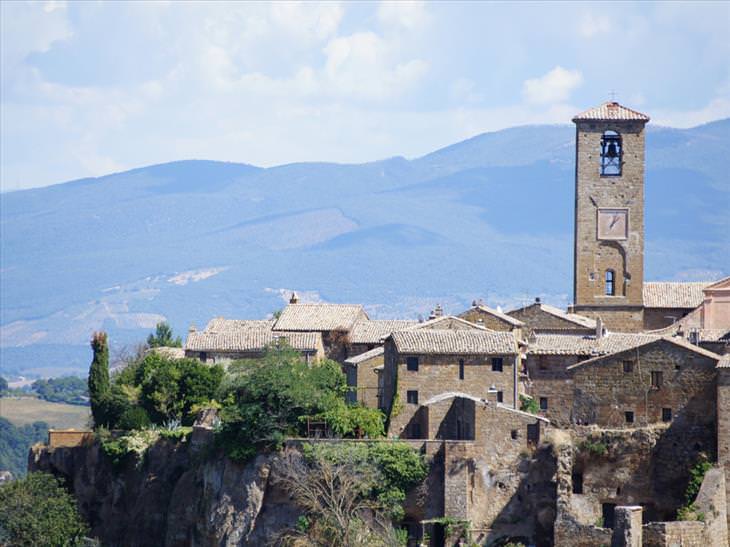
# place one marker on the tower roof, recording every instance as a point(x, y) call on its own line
point(611, 111)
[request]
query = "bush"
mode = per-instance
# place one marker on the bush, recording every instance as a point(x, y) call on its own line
point(15, 442)
point(70, 389)
point(265, 399)
point(38, 511)
point(134, 418)
point(528, 404)
point(352, 420)
point(596, 448)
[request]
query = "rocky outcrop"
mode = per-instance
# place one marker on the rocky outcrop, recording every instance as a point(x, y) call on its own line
point(173, 496)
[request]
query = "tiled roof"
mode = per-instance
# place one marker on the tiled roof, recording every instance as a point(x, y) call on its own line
point(448, 322)
point(250, 340)
point(608, 111)
point(453, 342)
point(357, 359)
point(373, 332)
point(715, 335)
point(572, 344)
point(319, 317)
point(724, 362)
point(670, 294)
point(677, 341)
point(220, 324)
point(500, 315)
point(579, 320)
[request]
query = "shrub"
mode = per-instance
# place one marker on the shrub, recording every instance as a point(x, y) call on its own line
point(596, 448)
point(528, 404)
point(134, 418)
point(38, 511)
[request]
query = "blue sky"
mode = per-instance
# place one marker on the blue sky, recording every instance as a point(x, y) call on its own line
point(90, 88)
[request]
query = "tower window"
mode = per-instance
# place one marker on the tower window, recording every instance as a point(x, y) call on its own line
point(461, 369)
point(666, 414)
point(611, 153)
point(412, 364)
point(412, 397)
point(543, 403)
point(497, 364)
point(629, 416)
point(500, 396)
point(610, 283)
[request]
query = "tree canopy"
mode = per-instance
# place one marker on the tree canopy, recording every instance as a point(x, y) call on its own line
point(163, 337)
point(37, 511)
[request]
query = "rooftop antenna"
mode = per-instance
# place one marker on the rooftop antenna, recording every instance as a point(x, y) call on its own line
point(612, 94)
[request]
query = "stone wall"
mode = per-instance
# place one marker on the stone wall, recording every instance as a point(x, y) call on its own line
point(69, 437)
point(438, 374)
point(615, 318)
point(593, 191)
point(484, 319)
point(659, 318)
point(549, 378)
point(366, 380)
point(538, 320)
point(604, 392)
point(723, 425)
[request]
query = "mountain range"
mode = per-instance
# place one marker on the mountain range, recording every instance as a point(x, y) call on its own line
point(490, 217)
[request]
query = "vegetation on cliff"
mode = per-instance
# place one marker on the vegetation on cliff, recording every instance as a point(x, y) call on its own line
point(351, 494)
point(14, 444)
point(266, 400)
point(38, 511)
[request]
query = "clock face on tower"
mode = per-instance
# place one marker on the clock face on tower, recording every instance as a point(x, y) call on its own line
point(613, 224)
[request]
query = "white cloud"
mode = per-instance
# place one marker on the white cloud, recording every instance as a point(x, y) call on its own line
point(554, 87)
point(464, 90)
point(716, 109)
point(406, 14)
point(591, 25)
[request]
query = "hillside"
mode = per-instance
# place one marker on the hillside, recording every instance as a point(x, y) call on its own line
point(488, 217)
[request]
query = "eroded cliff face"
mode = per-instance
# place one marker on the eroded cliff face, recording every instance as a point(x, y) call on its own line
point(173, 496)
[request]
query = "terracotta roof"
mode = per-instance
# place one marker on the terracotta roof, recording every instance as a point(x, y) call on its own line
point(715, 335)
point(454, 342)
point(572, 344)
point(609, 111)
point(373, 332)
point(672, 294)
point(220, 324)
point(319, 317)
point(724, 362)
point(499, 315)
point(250, 340)
point(361, 358)
point(677, 341)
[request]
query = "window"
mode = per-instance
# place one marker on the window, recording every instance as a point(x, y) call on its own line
point(497, 364)
point(543, 403)
point(412, 397)
point(513, 434)
point(412, 364)
point(500, 396)
point(628, 366)
point(203, 356)
point(611, 154)
point(666, 414)
point(656, 379)
point(629, 415)
point(461, 369)
point(577, 482)
point(610, 283)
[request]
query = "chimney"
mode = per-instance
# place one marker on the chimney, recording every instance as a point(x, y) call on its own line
point(438, 311)
point(294, 298)
point(474, 303)
point(599, 328)
point(537, 300)
point(192, 328)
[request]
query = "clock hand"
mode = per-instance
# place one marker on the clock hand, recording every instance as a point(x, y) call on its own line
point(614, 220)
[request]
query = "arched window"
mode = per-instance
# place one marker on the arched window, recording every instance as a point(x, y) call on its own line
point(610, 283)
point(611, 153)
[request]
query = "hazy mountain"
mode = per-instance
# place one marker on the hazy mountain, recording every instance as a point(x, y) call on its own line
point(488, 217)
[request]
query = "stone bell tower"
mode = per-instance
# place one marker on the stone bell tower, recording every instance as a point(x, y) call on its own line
point(609, 216)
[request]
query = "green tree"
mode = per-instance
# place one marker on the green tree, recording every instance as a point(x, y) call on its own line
point(15, 442)
point(163, 337)
point(99, 385)
point(37, 511)
point(3, 384)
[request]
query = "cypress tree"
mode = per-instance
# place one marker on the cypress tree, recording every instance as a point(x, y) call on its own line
point(99, 385)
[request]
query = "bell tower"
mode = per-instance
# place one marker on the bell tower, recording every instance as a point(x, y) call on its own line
point(609, 216)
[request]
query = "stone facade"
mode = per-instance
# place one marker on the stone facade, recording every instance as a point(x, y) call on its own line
point(551, 385)
point(538, 317)
point(364, 377)
point(621, 311)
point(723, 424)
point(480, 315)
point(438, 374)
point(658, 382)
point(660, 318)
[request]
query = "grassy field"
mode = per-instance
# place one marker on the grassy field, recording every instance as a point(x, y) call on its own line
point(26, 410)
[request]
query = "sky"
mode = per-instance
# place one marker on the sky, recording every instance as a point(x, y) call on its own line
point(91, 88)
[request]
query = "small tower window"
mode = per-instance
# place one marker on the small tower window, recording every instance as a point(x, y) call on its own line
point(610, 283)
point(611, 153)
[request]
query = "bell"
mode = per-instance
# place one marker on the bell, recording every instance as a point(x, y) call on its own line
point(612, 151)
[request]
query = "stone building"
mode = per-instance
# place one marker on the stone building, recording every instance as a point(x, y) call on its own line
point(666, 303)
point(484, 316)
point(366, 335)
point(334, 322)
point(422, 363)
point(225, 340)
point(723, 420)
point(364, 377)
point(662, 381)
point(609, 215)
point(543, 318)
